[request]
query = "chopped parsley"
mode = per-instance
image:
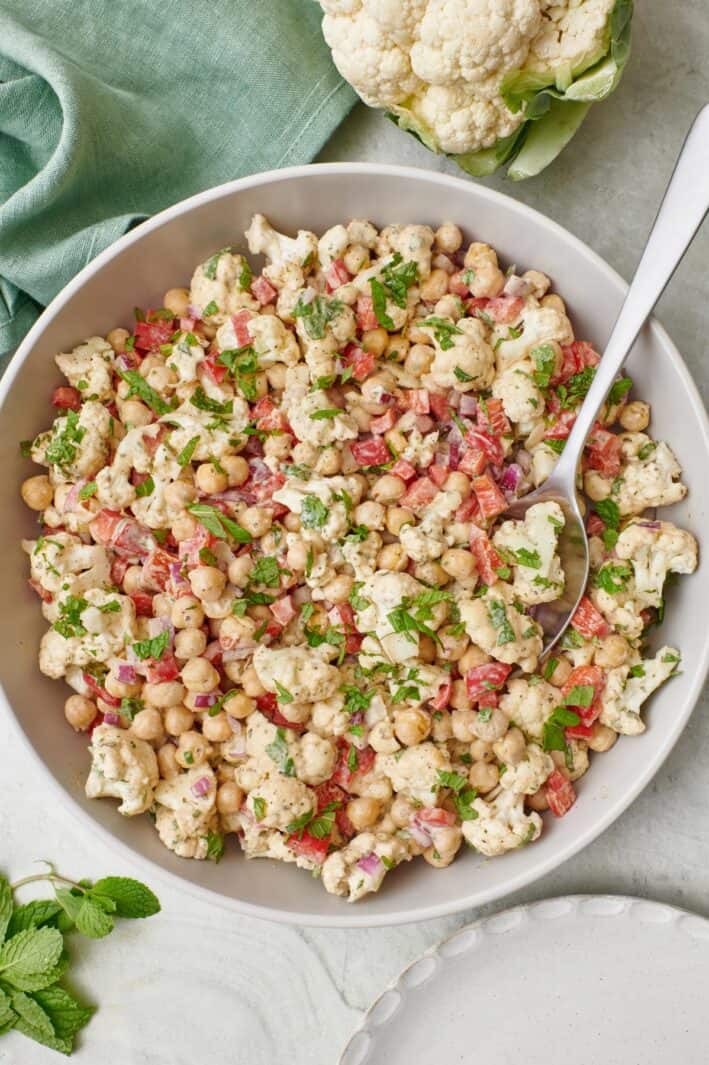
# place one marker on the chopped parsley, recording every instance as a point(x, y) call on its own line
point(139, 387)
point(284, 696)
point(260, 807)
point(202, 401)
point(313, 512)
point(243, 365)
point(61, 449)
point(88, 490)
point(580, 695)
point(613, 578)
point(317, 315)
point(379, 304)
point(210, 267)
point(266, 571)
point(279, 754)
point(325, 414)
point(553, 734)
point(187, 452)
point(215, 846)
point(544, 359)
point(530, 559)
point(462, 375)
point(245, 276)
point(443, 330)
point(618, 390)
point(210, 309)
point(218, 524)
point(398, 277)
point(153, 648)
point(499, 621)
point(69, 623)
point(609, 513)
point(145, 488)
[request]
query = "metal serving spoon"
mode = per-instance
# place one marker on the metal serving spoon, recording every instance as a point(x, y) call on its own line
point(682, 211)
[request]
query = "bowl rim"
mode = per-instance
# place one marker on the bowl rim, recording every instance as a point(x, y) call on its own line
point(356, 917)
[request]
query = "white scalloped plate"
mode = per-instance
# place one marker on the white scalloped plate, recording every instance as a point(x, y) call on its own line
point(581, 980)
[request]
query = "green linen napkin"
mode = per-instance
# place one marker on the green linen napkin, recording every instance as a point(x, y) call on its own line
point(111, 110)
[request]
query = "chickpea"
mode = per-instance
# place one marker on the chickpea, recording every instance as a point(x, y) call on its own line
point(555, 302)
point(192, 749)
point(133, 579)
point(635, 416)
point(397, 347)
point(392, 557)
point(297, 556)
point(199, 675)
point(187, 613)
point(256, 520)
point(449, 238)
point(474, 656)
point(207, 582)
point(382, 738)
point(538, 801)
point(237, 469)
point(279, 446)
point(538, 281)
point(209, 479)
point(561, 673)
point(232, 630)
point(388, 489)
point(420, 357)
point(134, 413)
point(462, 723)
point(305, 454)
point(431, 573)
point(512, 748)
point(119, 689)
point(613, 651)
point(338, 589)
point(117, 339)
point(397, 518)
point(79, 712)
point(441, 726)
point(329, 462)
point(375, 340)
point(444, 850)
point(216, 729)
point(362, 419)
point(177, 300)
point(239, 705)
point(484, 776)
point(183, 527)
point(481, 751)
point(396, 440)
point(453, 645)
point(167, 762)
point(363, 812)
point(356, 258)
point(189, 643)
point(416, 335)
point(178, 719)
point(458, 563)
point(37, 492)
point(161, 377)
point(162, 605)
point(251, 684)
point(434, 286)
point(493, 729)
point(449, 307)
point(401, 811)
point(411, 725)
point(427, 649)
point(458, 482)
point(602, 738)
point(168, 693)
point(147, 725)
point(459, 695)
point(370, 514)
point(240, 570)
point(230, 798)
point(276, 376)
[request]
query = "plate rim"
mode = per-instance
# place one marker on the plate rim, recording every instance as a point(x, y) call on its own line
point(352, 917)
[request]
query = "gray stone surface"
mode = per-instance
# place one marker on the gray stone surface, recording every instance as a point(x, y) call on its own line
point(271, 995)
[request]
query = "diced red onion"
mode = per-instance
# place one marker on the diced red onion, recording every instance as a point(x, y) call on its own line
point(188, 324)
point(371, 864)
point(424, 423)
point(509, 482)
point(516, 286)
point(194, 312)
point(72, 497)
point(454, 399)
point(213, 651)
point(179, 581)
point(236, 654)
point(158, 625)
point(110, 718)
point(650, 524)
point(468, 405)
point(201, 787)
point(524, 459)
point(419, 833)
point(454, 449)
point(126, 673)
point(123, 362)
point(203, 700)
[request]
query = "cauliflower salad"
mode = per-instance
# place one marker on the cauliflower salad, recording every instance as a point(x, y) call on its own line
point(277, 573)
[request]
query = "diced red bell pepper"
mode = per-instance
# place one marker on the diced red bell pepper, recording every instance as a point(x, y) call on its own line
point(309, 847)
point(66, 398)
point(578, 732)
point(560, 793)
point(161, 670)
point(189, 549)
point(240, 323)
point(491, 416)
point(486, 557)
point(118, 570)
point(491, 499)
point(415, 399)
point(589, 621)
point(263, 290)
point(563, 425)
point(585, 676)
point(353, 638)
point(336, 275)
point(283, 610)
point(575, 358)
point(438, 474)
point(505, 309)
point(472, 462)
point(364, 313)
point(481, 681)
point(469, 510)
point(595, 525)
point(125, 535)
point(440, 407)
point(361, 361)
point(457, 284)
point(99, 691)
point(384, 422)
point(149, 336)
point(373, 452)
point(603, 452)
point(435, 816)
point(343, 775)
point(151, 441)
point(419, 493)
point(43, 594)
point(269, 418)
point(443, 696)
point(404, 469)
point(214, 369)
point(268, 705)
point(143, 603)
point(491, 446)
point(156, 569)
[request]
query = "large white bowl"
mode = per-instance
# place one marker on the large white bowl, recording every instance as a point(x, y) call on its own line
point(161, 253)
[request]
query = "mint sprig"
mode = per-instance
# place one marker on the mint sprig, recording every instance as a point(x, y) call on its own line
point(33, 956)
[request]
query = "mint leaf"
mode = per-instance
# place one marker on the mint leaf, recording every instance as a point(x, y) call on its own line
point(140, 387)
point(65, 1013)
point(33, 915)
point(27, 961)
point(32, 1014)
point(6, 905)
point(379, 304)
point(92, 920)
point(152, 648)
point(218, 524)
point(132, 898)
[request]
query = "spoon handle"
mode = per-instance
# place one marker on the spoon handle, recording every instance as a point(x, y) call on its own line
point(681, 212)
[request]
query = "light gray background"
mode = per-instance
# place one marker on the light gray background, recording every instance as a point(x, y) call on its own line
point(200, 984)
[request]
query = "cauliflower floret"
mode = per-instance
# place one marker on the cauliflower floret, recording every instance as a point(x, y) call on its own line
point(87, 630)
point(271, 340)
point(323, 326)
point(495, 624)
point(214, 432)
point(385, 593)
point(501, 825)
point(276, 800)
point(649, 476)
point(224, 279)
point(289, 258)
point(300, 671)
point(529, 705)
point(137, 451)
point(362, 556)
point(329, 717)
point(360, 867)
point(522, 400)
point(462, 346)
point(186, 811)
point(544, 459)
point(304, 412)
point(414, 772)
point(627, 688)
point(63, 562)
point(413, 243)
point(332, 245)
point(529, 546)
point(420, 450)
point(429, 540)
point(314, 759)
point(459, 119)
point(89, 368)
point(539, 326)
point(653, 553)
point(185, 360)
point(528, 775)
point(122, 767)
point(304, 497)
point(77, 445)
